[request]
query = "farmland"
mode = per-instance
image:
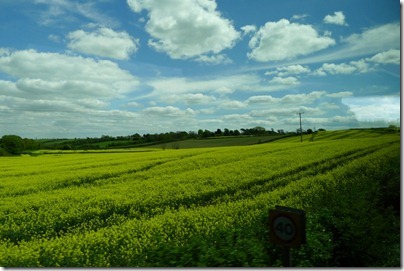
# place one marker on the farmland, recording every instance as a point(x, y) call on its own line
point(204, 206)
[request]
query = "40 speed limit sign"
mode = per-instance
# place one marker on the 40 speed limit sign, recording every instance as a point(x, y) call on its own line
point(287, 226)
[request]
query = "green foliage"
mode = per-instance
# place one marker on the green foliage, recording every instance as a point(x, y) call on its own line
point(15, 145)
point(12, 144)
point(203, 207)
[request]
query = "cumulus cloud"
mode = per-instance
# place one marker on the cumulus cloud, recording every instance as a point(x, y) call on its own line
point(332, 68)
point(169, 111)
point(360, 66)
point(338, 18)
point(387, 57)
point(284, 40)
point(224, 90)
point(289, 81)
point(54, 67)
point(232, 105)
point(304, 98)
point(247, 29)
point(103, 42)
point(57, 87)
point(213, 59)
point(186, 29)
point(372, 108)
point(290, 70)
point(261, 99)
point(370, 41)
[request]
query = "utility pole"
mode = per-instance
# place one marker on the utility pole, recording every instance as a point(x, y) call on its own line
point(301, 131)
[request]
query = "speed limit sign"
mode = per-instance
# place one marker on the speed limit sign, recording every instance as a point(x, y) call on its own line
point(287, 226)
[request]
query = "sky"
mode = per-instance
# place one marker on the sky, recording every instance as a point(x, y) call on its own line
point(74, 68)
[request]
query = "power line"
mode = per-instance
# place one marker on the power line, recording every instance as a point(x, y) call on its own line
point(301, 131)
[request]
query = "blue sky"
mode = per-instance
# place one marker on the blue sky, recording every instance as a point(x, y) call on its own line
point(71, 68)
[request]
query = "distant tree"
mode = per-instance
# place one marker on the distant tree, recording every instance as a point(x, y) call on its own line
point(226, 132)
point(200, 133)
point(309, 131)
point(12, 144)
point(136, 138)
point(192, 134)
point(218, 132)
point(31, 144)
point(181, 135)
point(208, 133)
point(258, 130)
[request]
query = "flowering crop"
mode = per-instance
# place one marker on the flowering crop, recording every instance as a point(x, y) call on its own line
point(193, 207)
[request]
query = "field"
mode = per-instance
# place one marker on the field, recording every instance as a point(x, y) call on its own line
point(200, 207)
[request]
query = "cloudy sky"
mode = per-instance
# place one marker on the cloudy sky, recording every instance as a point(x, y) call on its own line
point(75, 68)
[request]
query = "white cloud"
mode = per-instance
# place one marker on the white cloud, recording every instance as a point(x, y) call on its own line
point(373, 40)
point(374, 108)
point(51, 90)
point(387, 57)
point(132, 104)
point(286, 112)
point(290, 70)
point(186, 29)
point(341, 94)
point(103, 42)
point(262, 99)
point(237, 117)
point(232, 105)
point(289, 81)
point(54, 38)
point(169, 111)
point(4, 51)
point(58, 71)
point(284, 40)
point(299, 16)
point(220, 84)
point(247, 29)
point(360, 66)
point(213, 59)
point(338, 18)
point(224, 90)
point(67, 10)
point(332, 68)
point(304, 98)
point(189, 99)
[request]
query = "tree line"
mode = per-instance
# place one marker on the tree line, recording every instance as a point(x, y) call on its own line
point(106, 141)
point(15, 145)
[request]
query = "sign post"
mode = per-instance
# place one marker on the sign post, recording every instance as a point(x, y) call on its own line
point(287, 228)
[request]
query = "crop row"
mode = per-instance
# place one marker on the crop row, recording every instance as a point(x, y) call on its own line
point(186, 207)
